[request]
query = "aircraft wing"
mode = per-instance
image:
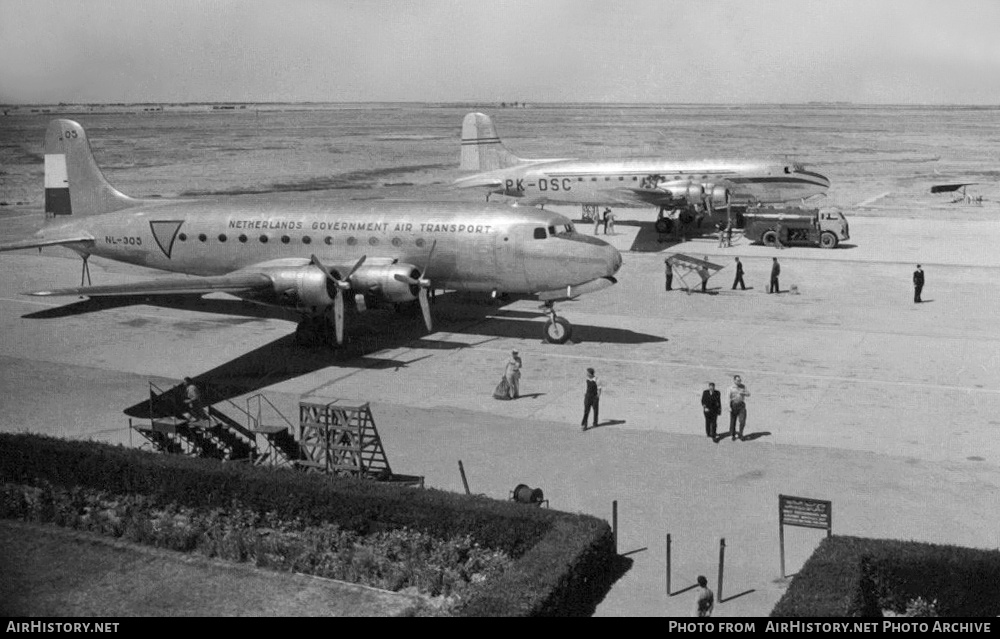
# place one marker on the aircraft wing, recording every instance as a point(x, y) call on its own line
point(40, 243)
point(232, 283)
point(948, 188)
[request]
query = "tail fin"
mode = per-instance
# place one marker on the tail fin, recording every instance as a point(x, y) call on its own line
point(482, 149)
point(74, 185)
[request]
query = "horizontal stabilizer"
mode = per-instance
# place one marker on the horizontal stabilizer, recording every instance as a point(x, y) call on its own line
point(234, 283)
point(40, 243)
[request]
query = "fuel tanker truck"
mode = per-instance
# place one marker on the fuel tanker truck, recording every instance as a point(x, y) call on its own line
point(795, 226)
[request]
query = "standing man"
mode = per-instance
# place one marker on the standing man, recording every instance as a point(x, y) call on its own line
point(704, 601)
point(739, 276)
point(775, 272)
point(668, 271)
point(597, 222)
point(591, 398)
point(918, 284)
point(777, 235)
point(607, 218)
point(609, 222)
point(711, 405)
point(704, 275)
point(737, 407)
point(722, 234)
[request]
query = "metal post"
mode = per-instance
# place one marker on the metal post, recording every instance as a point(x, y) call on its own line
point(722, 563)
point(668, 564)
point(465, 482)
point(614, 522)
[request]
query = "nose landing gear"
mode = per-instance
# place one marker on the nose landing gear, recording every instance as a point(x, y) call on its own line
point(557, 330)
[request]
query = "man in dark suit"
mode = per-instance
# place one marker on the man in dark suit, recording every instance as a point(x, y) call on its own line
point(711, 404)
point(775, 272)
point(739, 276)
point(918, 284)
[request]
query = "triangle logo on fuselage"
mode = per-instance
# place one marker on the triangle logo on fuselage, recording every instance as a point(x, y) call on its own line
point(165, 232)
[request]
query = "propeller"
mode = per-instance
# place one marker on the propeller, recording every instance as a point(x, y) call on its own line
point(338, 298)
point(423, 283)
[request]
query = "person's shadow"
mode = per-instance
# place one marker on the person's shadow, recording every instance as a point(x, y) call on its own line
point(607, 422)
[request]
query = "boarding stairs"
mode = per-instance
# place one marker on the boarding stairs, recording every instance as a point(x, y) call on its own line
point(218, 436)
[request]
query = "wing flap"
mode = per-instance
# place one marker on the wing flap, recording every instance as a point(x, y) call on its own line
point(232, 283)
point(41, 243)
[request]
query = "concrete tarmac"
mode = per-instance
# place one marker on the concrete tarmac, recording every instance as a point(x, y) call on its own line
point(886, 407)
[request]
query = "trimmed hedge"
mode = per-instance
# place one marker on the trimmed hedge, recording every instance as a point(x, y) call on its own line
point(859, 577)
point(562, 560)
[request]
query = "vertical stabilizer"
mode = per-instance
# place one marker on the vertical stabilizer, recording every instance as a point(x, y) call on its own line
point(74, 185)
point(482, 149)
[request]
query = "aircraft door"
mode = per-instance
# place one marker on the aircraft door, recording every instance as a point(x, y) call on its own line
point(510, 262)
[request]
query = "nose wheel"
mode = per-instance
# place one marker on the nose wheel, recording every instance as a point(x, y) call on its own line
point(557, 330)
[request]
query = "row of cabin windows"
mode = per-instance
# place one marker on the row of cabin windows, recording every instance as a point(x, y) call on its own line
point(621, 178)
point(328, 240)
point(351, 241)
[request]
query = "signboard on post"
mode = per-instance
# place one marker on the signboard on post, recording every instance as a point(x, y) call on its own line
point(804, 512)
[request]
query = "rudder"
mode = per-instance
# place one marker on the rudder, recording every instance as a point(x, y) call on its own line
point(74, 184)
point(482, 149)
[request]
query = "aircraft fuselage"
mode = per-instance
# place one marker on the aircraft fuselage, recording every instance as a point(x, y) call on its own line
point(478, 247)
point(614, 182)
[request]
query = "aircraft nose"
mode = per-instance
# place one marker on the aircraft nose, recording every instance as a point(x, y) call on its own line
point(615, 261)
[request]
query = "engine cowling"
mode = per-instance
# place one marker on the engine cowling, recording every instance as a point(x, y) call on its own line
point(381, 279)
point(305, 287)
point(696, 193)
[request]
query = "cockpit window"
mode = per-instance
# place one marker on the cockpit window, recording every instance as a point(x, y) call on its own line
point(569, 228)
point(540, 233)
point(552, 230)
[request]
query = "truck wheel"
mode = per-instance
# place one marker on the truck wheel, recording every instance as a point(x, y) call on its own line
point(769, 238)
point(558, 331)
point(664, 226)
point(828, 240)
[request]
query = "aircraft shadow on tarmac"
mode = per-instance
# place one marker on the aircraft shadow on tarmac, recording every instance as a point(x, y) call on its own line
point(376, 330)
point(375, 326)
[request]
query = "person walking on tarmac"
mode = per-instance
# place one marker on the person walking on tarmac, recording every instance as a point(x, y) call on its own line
point(668, 272)
point(591, 398)
point(739, 276)
point(775, 272)
point(918, 284)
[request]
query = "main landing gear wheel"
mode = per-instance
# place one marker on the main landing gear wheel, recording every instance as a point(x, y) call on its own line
point(663, 225)
point(558, 330)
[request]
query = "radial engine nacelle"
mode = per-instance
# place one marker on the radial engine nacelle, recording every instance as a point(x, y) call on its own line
point(696, 193)
point(307, 287)
point(381, 279)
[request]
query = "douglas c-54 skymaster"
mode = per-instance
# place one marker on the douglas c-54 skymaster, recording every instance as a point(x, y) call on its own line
point(306, 255)
point(694, 190)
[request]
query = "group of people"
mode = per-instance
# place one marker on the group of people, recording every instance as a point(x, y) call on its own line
point(773, 286)
point(510, 388)
point(608, 218)
point(711, 405)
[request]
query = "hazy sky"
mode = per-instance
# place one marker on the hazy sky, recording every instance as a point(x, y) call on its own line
point(867, 51)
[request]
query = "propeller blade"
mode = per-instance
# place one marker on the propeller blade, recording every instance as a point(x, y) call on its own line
point(427, 265)
point(338, 315)
point(425, 308)
point(406, 280)
point(356, 267)
point(315, 262)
